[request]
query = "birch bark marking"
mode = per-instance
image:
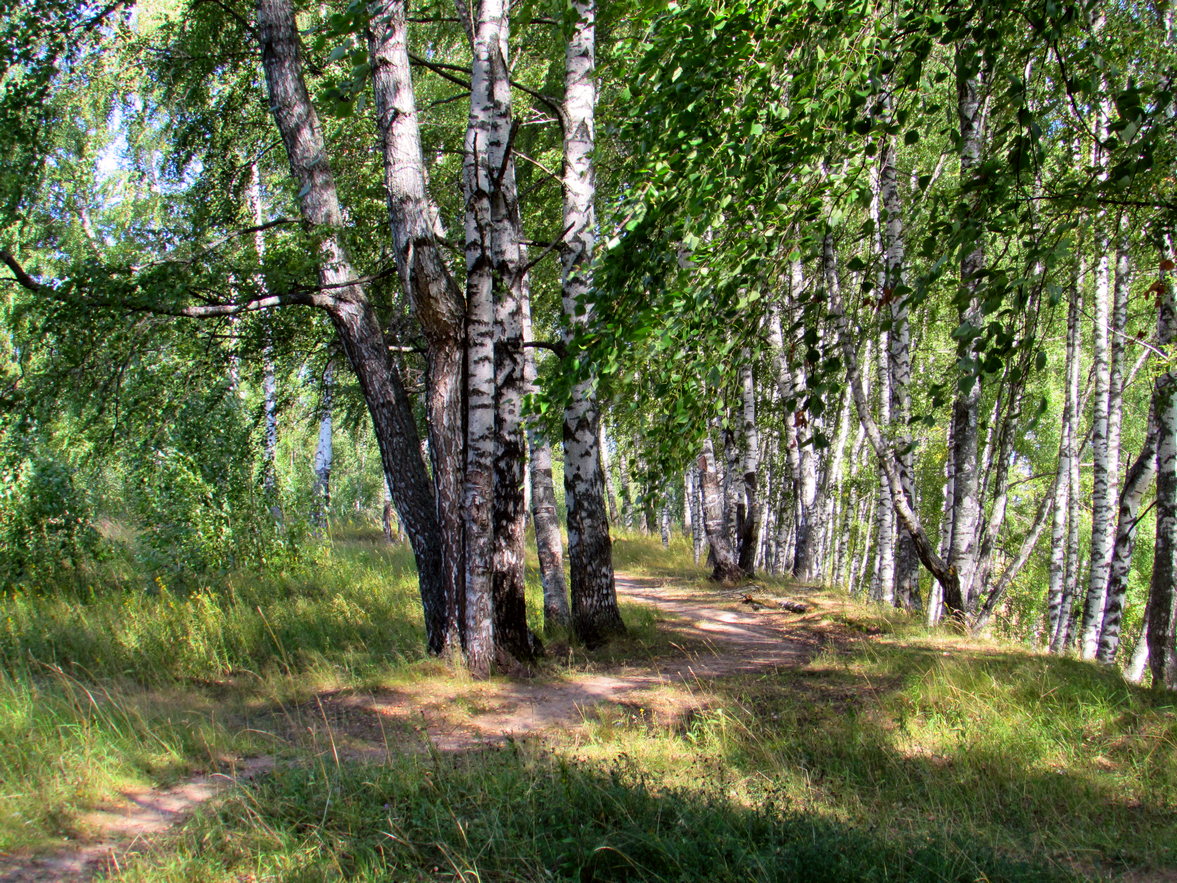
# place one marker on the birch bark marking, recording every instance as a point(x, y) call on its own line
point(895, 295)
point(1102, 472)
point(495, 374)
point(726, 569)
point(966, 505)
point(1062, 589)
point(749, 538)
point(882, 586)
point(1162, 596)
point(349, 308)
point(941, 571)
point(595, 616)
point(324, 450)
point(1139, 477)
point(548, 542)
point(436, 299)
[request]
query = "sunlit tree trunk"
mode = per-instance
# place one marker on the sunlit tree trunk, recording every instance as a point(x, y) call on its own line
point(595, 616)
point(726, 569)
point(495, 293)
point(343, 298)
point(436, 299)
point(1139, 477)
point(1162, 596)
point(324, 450)
point(883, 580)
point(1058, 608)
point(749, 535)
point(548, 542)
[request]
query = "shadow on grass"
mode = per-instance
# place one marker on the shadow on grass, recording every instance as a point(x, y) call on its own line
point(518, 814)
point(1015, 752)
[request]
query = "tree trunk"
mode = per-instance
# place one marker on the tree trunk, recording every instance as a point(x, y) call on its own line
point(345, 301)
point(966, 504)
point(595, 616)
point(548, 542)
point(947, 576)
point(895, 295)
point(435, 297)
point(749, 538)
point(883, 580)
point(1140, 476)
point(495, 292)
point(1057, 604)
point(1162, 596)
point(1102, 471)
point(324, 451)
point(726, 569)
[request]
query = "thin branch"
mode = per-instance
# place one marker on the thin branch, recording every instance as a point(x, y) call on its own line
point(552, 346)
point(555, 244)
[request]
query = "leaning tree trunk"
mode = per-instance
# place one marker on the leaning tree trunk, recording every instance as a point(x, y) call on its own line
point(946, 575)
point(435, 297)
point(1139, 477)
point(595, 616)
point(343, 298)
point(726, 569)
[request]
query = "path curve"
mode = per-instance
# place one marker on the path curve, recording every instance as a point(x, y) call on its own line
point(736, 640)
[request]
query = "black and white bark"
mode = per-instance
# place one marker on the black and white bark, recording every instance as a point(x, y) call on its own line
point(695, 507)
point(725, 567)
point(595, 616)
point(966, 503)
point(1103, 471)
point(436, 299)
point(548, 541)
point(345, 301)
point(495, 292)
point(896, 296)
point(749, 528)
point(1136, 482)
point(324, 450)
point(1064, 543)
point(882, 588)
point(1162, 596)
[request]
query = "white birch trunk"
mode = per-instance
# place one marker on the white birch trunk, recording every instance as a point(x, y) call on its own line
point(595, 616)
point(324, 451)
point(1162, 596)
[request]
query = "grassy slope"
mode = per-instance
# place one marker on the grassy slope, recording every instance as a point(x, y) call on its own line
point(895, 754)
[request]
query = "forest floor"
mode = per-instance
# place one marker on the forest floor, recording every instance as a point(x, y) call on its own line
point(720, 740)
point(711, 634)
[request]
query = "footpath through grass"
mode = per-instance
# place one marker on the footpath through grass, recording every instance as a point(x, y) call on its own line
point(894, 754)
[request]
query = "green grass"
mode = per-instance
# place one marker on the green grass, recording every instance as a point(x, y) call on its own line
point(525, 814)
point(897, 753)
point(119, 685)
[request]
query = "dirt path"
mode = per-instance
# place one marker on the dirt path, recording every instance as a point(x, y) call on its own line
point(724, 639)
